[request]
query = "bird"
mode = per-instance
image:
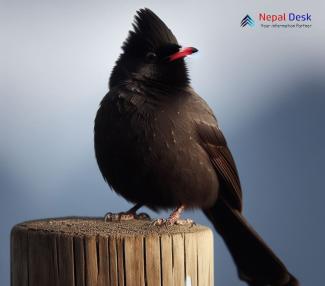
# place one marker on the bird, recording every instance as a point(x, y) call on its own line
point(158, 144)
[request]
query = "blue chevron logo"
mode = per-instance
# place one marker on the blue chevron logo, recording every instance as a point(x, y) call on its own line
point(247, 20)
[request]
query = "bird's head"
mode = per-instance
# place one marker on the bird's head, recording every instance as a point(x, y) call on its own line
point(151, 52)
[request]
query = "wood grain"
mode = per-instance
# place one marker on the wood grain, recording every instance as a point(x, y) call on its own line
point(91, 252)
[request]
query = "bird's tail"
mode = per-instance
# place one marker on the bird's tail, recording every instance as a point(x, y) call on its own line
point(255, 261)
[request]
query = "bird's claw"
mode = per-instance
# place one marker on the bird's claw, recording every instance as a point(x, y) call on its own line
point(119, 216)
point(143, 216)
point(169, 222)
point(188, 222)
point(159, 222)
point(125, 216)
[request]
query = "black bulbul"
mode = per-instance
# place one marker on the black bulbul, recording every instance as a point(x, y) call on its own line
point(158, 144)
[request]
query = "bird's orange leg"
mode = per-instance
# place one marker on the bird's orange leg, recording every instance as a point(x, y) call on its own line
point(175, 215)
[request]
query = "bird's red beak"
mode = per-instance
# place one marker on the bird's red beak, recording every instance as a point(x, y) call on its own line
point(182, 53)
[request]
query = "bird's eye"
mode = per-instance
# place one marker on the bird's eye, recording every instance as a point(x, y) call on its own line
point(151, 57)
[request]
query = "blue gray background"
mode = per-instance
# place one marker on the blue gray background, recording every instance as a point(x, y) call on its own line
point(267, 88)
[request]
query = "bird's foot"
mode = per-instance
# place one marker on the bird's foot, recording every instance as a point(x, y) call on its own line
point(122, 216)
point(142, 216)
point(186, 222)
point(173, 219)
point(125, 216)
point(159, 222)
point(129, 215)
point(169, 222)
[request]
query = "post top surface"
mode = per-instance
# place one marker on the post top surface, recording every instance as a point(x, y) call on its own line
point(84, 226)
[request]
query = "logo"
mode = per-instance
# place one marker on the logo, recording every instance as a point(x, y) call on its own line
point(284, 20)
point(247, 20)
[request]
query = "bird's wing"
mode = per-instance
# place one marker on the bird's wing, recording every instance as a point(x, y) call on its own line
point(215, 145)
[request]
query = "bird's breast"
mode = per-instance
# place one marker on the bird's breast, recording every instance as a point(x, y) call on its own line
point(154, 155)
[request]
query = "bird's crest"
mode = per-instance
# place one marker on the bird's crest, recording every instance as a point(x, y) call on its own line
point(150, 33)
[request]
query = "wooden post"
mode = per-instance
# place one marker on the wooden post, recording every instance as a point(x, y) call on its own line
point(89, 252)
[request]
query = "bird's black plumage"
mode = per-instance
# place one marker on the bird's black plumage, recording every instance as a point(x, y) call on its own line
point(157, 143)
